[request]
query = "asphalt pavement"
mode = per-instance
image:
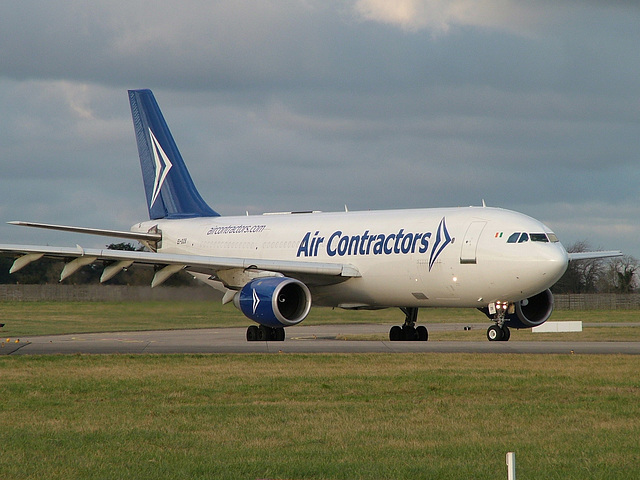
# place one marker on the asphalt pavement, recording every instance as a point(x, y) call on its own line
point(300, 339)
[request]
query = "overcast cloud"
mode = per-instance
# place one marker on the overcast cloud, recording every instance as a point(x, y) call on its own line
point(293, 105)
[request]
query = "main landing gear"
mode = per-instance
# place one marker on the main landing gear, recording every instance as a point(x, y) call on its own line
point(263, 333)
point(409, 331)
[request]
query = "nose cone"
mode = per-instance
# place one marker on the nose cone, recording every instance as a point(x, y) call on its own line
point(555, 261)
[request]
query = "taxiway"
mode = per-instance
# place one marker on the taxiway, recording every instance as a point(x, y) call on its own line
point(300, 339)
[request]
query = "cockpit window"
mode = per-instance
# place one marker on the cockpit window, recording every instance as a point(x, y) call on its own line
point(521, 237)
point(518, 237)
point(539, 237)
point(513, 238)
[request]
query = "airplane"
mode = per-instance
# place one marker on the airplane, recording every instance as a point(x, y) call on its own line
point(273, 267)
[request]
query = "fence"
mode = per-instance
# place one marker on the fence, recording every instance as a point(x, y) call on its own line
point(597, 301)
point(103, 293)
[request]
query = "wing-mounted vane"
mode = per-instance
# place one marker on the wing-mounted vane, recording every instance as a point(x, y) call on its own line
point(114, 269)
point(24, 260)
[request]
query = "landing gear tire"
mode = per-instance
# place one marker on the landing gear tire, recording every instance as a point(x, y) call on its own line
point(404, 333)
point(495, 333)
point(395, 334)
point(409, 333)
point(423, 334)
point(263, 333)
point(252, 333)
point(506, 333)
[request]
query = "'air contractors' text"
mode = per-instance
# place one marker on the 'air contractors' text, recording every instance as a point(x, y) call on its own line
point(366, 244)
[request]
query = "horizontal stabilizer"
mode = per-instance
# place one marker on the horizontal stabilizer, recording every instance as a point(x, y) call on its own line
point(592, 255)
point(148, 237)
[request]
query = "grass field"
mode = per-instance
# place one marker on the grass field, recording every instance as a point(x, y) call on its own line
point(40, 318)
point(373, 416)
point(376, 416)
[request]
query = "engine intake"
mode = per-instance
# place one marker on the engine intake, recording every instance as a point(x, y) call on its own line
point(533, 311)
point(528, 313)
point(274, 301)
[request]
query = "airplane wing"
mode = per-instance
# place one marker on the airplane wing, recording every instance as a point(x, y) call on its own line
point(592, 255)
point(116, 260)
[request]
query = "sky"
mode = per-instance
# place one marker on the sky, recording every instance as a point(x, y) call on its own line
point(281, 105)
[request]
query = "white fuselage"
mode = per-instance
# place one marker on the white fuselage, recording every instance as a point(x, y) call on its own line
point(407, 258)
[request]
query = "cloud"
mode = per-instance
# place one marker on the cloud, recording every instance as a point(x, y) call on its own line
point(195, 43)
point(440, 16)
point(311, 104)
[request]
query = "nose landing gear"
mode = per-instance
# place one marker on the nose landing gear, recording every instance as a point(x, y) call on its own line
point(496, 333)
point(499, 332)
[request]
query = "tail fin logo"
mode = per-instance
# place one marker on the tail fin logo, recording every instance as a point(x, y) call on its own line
point(162, 164)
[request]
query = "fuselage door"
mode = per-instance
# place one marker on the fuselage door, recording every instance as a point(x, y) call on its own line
point(470, 242)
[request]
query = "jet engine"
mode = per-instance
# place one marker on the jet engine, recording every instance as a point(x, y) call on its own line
point(274, 301)
point(527, 313)
point(532, 311)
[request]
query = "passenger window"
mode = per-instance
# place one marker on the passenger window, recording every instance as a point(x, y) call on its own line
point(523, 238)
point(514, 237)
point(539, 237)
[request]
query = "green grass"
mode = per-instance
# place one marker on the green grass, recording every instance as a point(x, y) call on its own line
point(372, 416)
point(46, 318)
point(49, 318)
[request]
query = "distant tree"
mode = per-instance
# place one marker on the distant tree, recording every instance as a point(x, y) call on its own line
point(621, 275)
point(123, 246)
point(582, 276)
point(5, 265)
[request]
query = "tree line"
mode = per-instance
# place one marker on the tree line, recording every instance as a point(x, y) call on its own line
point(613, 275)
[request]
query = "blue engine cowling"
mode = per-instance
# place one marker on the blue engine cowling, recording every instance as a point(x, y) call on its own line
point(274, 301)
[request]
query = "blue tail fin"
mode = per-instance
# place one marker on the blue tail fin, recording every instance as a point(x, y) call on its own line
point(167, 183)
